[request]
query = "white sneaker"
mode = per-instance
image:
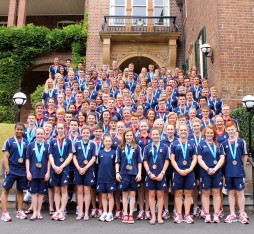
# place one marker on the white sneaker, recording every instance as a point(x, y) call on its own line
point(141, 214)
point(165, 214)
point(196, 211)
point(118, 214)
point(188, 219)
point(94, 213)
point(221, 213)
point(202, 214)
point(27, 197)
point(109, 217)
point(77, 210)
point(21, 215)
point(103, 216)
point(148, 215)
point(208, 218)
point(224, 191)
point(61, 216)
point(73, 199)
point(55, 215)
point(216, 218)
point(100, 211)
point(6, 217)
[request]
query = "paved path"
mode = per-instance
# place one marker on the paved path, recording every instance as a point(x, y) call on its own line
point(71, 226)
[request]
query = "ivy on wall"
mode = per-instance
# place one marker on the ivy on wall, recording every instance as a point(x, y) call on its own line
point(20, 46)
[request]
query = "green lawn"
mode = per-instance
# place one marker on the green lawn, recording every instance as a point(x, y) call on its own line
point(6, 131)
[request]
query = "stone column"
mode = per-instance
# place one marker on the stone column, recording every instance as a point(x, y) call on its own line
point(22, 13)
point(12, 14)
point(106, 50)
point(172, 53)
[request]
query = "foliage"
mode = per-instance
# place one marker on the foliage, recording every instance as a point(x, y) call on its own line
point(36, 95)
point(241, 115)
point(20, 46)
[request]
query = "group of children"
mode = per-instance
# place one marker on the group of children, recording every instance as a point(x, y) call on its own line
point(126, 144)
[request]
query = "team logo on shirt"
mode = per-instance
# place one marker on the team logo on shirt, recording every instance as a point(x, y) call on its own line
point(111, 188)
point(161, 150)
point(92, 181)
point(112, 156)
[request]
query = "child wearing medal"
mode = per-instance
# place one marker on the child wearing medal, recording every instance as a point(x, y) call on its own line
point(142, 140)
point(156, 161)
point(183, 155)
point(106, 183)
point(98, 132)
point(60, 156)
point(195, 136)
point(210, 161)
point(14, 152)
point(85, 152)
point(128, 172)
point(236, 158)
point(37, 171)
point(170, 130)
point(30, 130)
point(48, 129)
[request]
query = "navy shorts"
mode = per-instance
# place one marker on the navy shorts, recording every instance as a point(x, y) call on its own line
point(88, 179)
point(10, 179)
point(209, 182)
point(235, 183)
point(59, 180)
point(128, 183)
point(184, 182)
point(38, 186)
point(106, 187)
point(154, 184)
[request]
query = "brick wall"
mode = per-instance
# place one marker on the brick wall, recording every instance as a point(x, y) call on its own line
point(97, 9)
point(177, 11)
point(236, 30)
point(229, 30)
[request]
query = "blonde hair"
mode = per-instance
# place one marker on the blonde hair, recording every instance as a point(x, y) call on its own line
point(46, 89)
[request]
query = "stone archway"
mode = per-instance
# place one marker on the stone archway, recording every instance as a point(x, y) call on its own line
point(37, 75)
point(138, 61)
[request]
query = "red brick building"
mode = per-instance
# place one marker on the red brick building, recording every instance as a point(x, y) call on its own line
point(164, 32)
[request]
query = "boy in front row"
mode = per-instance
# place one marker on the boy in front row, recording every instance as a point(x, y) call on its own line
point(236, 157)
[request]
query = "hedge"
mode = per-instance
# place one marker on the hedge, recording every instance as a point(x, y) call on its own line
point(241, 115)
point(20, 46)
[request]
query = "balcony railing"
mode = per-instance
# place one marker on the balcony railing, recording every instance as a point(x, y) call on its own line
point(139, 24)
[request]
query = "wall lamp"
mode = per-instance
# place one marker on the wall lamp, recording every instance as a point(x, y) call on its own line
point(206, 49)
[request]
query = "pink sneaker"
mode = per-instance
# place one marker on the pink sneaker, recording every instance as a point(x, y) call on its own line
point(178, 218)
point(230, 219)
point(21, 215)
point(188, 219)
point(141, 214)
point(243, 219)
point(6, 217)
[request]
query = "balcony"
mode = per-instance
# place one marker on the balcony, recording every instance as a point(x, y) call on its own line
point(151, 24)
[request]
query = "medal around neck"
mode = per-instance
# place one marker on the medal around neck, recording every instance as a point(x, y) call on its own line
point(20, 160)
point(39, 165)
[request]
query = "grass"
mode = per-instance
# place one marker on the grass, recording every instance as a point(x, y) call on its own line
point(6, 131)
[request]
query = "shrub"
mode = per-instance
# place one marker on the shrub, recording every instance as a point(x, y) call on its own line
point(241, 115)
point(36, 95)
point(20, 46)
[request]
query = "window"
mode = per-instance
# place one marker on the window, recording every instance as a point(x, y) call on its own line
point(117, 8)
point(161, 8)
point(139, 7)
point(64, 23)
point(2, 23)
point(200, 59)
